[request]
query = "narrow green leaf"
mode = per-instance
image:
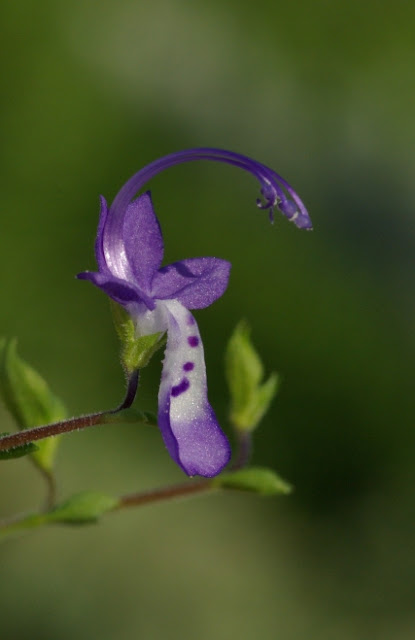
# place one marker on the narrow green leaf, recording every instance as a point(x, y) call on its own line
point(29, 399)
point(250, 400)
point(136, 352)
point(256, 479)
point(24, 392)
point(83, 508)
point(243, 367)
point(260, 403)
point(19, 525)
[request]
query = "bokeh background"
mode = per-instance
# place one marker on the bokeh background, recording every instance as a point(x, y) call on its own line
point(324, 92)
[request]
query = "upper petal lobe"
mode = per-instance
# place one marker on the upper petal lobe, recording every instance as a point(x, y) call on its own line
point(142, 240)
point(195, 282)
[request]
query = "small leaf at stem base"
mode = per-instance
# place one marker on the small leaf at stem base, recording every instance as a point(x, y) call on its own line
point(83, 508)
point(256, 479)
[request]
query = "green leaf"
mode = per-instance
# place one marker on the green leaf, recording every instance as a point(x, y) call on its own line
point(20, 525)
point(256, 479)
point(250, 399)
point(28, 398)
point(83, 508)
point(17, 452)
point(136, 352)
point(260, 403)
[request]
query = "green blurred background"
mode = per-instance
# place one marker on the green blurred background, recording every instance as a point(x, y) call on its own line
point(324, 92)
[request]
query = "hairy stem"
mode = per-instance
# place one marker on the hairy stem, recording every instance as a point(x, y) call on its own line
point(164, 493)
point(73, 424)
point(138, 499)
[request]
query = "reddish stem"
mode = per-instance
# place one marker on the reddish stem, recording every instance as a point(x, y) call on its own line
point(73, 424)
point(164, 493)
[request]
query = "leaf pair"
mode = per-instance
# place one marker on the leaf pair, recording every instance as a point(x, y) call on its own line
point(250, 397)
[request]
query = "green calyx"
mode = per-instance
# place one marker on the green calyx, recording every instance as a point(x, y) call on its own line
point(136, 352)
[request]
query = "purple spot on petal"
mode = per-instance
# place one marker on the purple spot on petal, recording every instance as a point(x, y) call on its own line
point(180, 388)
point(190, 320)
point(193, 341)
point(188, 366)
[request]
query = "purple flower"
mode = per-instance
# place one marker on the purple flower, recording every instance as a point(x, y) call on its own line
point(129, 250)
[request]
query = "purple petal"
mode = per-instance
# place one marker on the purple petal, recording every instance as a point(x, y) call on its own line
point(195, 283)
point(119, 290)
point(187, 421)
point(143, 241)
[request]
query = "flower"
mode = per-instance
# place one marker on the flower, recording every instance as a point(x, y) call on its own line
point(129, 250)
point(159, 300)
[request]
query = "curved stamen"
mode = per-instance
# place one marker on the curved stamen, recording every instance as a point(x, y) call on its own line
point(270, 196)
point(303, 220)
point(273, 186)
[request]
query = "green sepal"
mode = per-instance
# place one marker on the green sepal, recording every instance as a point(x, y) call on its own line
point(18, 452)
point(82, 508)
point(29, 399)
point(255, 479)
point(250, 399)
point(136, 352)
